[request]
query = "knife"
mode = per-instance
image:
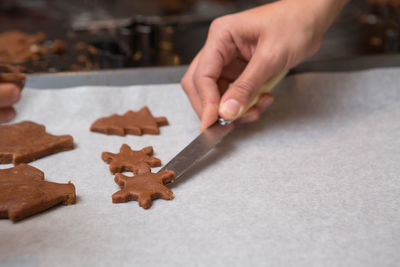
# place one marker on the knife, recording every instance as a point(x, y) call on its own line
point(209, 138)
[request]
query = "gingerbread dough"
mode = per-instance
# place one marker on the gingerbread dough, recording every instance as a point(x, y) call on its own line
point(27, 141)
point(17, 46)
point(144, 188)
point(138, 162)
point(136, 123)
point(24, 192)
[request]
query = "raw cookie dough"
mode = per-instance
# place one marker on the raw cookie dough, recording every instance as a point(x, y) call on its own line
point(138, 162)
point(144, 187)
point(27, 141)
point(24, 192)
point(136, 123)
point(18, 47)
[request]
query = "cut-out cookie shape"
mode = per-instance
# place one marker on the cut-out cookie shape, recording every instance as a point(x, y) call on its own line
point(136, 123)
point(144, 187)
point(18, 47)
point(27, 141)
point(138, 162)
point(24, 192)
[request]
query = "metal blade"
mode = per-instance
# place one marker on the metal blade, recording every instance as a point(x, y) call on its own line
point(197, 149)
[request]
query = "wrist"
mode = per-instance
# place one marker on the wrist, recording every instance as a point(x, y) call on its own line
point(321, 12)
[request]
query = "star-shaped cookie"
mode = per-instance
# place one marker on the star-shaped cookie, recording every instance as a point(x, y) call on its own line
point(138, 162)
point(24, 192)
point(144, 188)
point(27, 141)
point(136, 123)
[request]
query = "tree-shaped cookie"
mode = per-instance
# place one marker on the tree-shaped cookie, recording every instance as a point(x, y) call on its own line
point(23, 192)
point(26, 141)
point(144, 187)
point(138, 162)
point(136, 123)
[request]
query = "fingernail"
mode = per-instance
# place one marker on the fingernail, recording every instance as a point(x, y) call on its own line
point(231, 109)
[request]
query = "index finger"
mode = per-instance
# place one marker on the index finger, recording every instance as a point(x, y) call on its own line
point(216, 54)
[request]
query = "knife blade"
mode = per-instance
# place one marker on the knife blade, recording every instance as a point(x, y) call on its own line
point(209, 138)
point(198, 148)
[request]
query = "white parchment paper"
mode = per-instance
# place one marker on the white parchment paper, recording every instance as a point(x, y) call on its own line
point(315, 182)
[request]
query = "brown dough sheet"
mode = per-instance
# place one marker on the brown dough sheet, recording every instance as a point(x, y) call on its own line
point(17, 47)
point(24, 192)
point(27, 141)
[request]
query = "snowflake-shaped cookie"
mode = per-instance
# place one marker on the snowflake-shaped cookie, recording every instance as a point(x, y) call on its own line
point(144, 188)
point(127, 159)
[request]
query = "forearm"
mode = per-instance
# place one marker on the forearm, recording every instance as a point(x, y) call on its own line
point(322, 12)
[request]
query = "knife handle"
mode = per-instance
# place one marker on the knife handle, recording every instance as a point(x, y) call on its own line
point(267, 87)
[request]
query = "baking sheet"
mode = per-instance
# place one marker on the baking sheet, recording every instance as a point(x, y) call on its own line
point(315, 182)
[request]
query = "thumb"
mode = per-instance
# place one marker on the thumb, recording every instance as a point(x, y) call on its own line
point(236, 99)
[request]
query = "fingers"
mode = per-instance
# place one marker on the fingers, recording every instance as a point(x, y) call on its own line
point(210, 102)
point(217, 53)
point(254, 113)
point(264, 102)
point(200, 81)
point(205, 81)
point(229, 74)
point(223, 85)
point(7, 114)
point(9, 94)
point(232, 71)
point(237, 98)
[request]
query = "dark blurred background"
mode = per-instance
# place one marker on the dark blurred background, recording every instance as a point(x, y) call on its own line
point(104, 34)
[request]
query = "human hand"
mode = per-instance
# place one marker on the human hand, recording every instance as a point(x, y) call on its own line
point(11, 85)
point(246, 49)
